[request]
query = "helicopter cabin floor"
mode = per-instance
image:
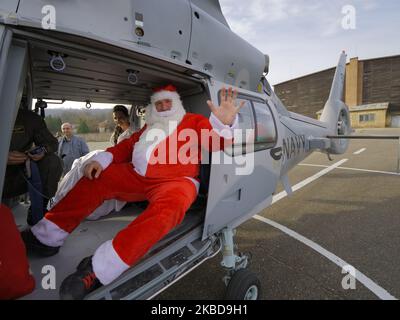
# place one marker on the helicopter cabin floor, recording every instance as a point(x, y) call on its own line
point(83, 242)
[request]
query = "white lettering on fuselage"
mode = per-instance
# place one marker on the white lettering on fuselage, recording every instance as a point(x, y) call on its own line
point(293, 146)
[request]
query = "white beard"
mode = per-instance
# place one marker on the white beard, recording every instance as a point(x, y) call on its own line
point(153, 117)
point(166, 120)
point(159, 122)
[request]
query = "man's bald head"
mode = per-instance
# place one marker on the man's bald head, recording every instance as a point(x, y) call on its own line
point(66, 124)
point(66, 129)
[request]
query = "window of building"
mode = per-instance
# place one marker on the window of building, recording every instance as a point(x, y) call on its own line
point(369, 117)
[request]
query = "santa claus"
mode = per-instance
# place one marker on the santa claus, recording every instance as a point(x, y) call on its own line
point(132, 171)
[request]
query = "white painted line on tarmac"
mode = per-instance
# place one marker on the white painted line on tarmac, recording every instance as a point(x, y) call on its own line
point(367, 282)
point(305, 182)
point(347, 168)
point(313, 165)
point(360, 151)
point(362, 278)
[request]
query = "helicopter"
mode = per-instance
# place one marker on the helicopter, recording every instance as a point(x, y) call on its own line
point(116, 52)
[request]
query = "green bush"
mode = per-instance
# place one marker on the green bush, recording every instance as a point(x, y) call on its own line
point(83, 127)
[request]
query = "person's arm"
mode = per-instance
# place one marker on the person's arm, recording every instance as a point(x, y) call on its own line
point(84, 148)
point(43, 137)
point(214, 134)
point(120, 153)
point(59, 149)
point(219, 128)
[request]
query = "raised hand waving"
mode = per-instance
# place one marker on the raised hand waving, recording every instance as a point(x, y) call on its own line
point(228, 108)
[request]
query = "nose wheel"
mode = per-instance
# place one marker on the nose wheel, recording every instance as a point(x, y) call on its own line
point(243, 285)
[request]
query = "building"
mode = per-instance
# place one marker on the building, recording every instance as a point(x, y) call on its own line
point(374, 115)
point(103, 126)
point(372, 92)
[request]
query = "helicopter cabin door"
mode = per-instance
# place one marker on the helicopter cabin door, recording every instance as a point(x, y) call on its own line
point(243, 176)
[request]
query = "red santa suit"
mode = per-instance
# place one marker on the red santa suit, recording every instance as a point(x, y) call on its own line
point(163, 171)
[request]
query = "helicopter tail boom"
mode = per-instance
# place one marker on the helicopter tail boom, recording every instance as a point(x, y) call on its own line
point(335, 113)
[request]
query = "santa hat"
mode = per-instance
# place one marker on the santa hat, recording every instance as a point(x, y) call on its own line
point(165, 92)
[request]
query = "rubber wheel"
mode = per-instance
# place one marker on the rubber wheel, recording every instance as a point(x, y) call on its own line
point(244, 285)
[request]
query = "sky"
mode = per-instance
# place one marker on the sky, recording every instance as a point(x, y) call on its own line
point(306, 36)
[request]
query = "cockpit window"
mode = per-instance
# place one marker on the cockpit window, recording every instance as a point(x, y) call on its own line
point(246, 122)
point(265, 126)
point(257, 129)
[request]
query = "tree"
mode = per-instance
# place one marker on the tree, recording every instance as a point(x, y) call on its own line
point(53, 124)
point(83, 127)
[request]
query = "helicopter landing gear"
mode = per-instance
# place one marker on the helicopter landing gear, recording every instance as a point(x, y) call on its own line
point(241, 283)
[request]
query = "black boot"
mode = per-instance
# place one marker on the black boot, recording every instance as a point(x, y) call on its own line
point(79, 284)
point(33, 245)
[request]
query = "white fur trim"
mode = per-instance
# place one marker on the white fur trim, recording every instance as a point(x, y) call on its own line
point(162, 95)
point(107, 265)
point(72, 177)
point(235, 124)
point(139, 159)
point(143, 149)
point(223, 130)
point(195, 182)
point(104, 158)
point(167, 113)
point(49, 233)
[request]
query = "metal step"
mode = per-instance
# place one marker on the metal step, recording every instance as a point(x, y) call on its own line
point(154, 274)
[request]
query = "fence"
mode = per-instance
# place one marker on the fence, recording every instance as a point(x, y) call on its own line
point(96, 137)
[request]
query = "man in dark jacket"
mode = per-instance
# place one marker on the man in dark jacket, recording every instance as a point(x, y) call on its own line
point(30, 132)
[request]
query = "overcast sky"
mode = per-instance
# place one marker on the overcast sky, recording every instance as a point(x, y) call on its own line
point(305, 36)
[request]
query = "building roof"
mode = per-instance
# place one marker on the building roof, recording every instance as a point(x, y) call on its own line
point(328, 69)
point(372, 106)
point(367, 107)
point(103, 124)
point(304, 76)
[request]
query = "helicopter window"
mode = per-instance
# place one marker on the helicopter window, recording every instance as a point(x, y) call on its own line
point(245, 133)
point(265, 127)
point(246, 121)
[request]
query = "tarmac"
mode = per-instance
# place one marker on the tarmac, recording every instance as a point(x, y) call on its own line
point(336, 237)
